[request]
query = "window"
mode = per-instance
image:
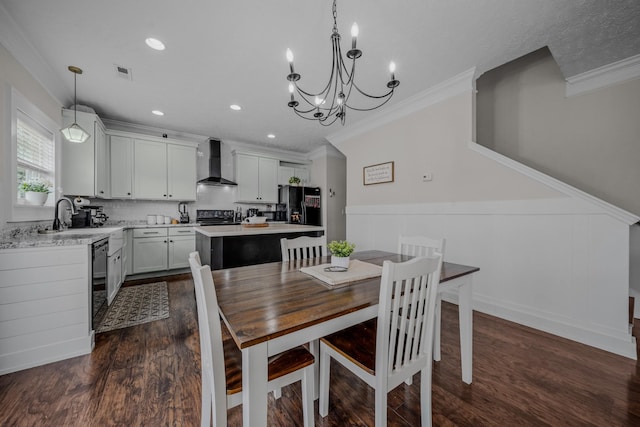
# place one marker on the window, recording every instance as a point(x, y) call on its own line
point(34, 159)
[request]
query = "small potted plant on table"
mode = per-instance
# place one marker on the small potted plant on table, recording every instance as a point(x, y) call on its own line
point(36, 192)
point(340, 252)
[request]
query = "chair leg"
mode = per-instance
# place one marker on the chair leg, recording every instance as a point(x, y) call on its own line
point(425, 396)
point(381, 407)
point(409, 380)
point(207, 405)
point(325, 361)
point(437, 329)
point(314, 348)
point(277, 393)
point(307, 396)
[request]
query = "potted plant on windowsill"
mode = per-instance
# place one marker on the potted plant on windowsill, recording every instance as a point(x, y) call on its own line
point(340, 250)
point(36, 192)
point(294, 180)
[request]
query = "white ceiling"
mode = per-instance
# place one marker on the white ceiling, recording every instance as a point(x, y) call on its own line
point(224, 52)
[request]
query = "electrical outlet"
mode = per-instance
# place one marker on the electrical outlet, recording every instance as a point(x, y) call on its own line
point(428, 176)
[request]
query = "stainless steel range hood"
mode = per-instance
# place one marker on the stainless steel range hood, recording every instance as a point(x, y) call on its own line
point(215, 166)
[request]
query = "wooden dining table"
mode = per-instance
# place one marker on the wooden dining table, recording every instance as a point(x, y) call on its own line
point(270, 308)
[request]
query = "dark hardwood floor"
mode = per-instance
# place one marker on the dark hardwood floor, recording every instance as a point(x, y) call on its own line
point(148, 375)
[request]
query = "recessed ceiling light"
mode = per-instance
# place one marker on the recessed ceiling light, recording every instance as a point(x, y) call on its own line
point(271, 136)
point(158, 113)
point(154, 43)
point(235, 107)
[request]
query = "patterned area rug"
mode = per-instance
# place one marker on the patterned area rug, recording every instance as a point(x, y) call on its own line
point(135, 305)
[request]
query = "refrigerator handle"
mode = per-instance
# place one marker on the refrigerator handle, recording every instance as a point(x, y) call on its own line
point(304, 213)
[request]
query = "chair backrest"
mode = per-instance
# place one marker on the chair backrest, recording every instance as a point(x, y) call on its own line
point(406, 316)
point(211, 347)
point(420, 245)
point(303, 247)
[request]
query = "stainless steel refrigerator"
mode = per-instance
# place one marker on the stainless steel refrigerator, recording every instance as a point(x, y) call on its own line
point(304, 205)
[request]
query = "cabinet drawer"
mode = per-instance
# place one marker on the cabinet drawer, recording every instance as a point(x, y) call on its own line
point(149, 232)
point(181, 231)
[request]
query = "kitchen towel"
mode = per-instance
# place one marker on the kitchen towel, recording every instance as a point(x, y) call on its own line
point(358, 270)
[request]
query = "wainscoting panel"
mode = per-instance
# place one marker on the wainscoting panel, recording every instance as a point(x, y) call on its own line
point(544, 263)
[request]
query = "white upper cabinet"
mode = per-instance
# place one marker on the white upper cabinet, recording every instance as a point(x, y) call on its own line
point(85, 167)
point(257, 178)
point(150, 169)
point(181, 172)
point(286, 172)
point(121, 167)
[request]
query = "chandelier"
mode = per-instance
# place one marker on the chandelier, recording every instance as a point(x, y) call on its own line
point(332, 102)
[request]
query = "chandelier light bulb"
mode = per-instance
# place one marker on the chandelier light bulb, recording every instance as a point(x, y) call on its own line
point(291, 88)
point(319, 101)
point(392, 67)
point(289, 55)
point(354, 35)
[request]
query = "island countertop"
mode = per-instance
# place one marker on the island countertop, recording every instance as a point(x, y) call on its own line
point(240, 230)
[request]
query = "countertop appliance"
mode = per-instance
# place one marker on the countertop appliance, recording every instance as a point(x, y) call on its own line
point(303, 204)
point(216, 217)
point(184, 213)
point(99, 253)
point(279, 216)
point(89, 216)
point(253, 212)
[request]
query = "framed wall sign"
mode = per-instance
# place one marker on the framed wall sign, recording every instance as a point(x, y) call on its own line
point(377, 174)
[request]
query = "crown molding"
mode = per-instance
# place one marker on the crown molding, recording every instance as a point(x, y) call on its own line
point(607, 75)
point(566, 189)
point(14, 40)
point(456, 85)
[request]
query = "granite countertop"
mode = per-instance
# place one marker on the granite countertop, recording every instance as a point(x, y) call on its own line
point(73, 236)
point(240, 230)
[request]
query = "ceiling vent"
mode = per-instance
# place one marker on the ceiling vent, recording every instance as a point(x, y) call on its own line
point(124, 72)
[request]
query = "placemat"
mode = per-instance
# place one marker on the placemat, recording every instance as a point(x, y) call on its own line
point(358, 270)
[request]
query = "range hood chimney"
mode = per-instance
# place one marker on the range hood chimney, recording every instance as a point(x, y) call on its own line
point(215, 166)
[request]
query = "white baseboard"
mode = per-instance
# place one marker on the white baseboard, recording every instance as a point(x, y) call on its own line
point(46, 354)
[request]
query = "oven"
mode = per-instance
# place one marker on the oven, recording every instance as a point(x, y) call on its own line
point(99, 257)
point(216, 217)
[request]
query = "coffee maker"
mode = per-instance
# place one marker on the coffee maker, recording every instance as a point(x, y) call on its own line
point(184, 213)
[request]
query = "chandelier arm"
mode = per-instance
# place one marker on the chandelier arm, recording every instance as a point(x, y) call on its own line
point(374, 96)
point(370, 109)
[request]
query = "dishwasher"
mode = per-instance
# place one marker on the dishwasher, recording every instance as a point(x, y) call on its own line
point(99, 253)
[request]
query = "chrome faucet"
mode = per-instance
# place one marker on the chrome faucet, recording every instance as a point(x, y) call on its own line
point(57, 225)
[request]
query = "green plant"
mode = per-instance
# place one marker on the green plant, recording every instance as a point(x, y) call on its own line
point(37, 186)
point(294, 180)
point(341, 248)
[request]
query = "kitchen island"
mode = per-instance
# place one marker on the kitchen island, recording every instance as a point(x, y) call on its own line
point(226, 246)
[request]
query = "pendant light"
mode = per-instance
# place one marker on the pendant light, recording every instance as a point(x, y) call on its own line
point(74, 133)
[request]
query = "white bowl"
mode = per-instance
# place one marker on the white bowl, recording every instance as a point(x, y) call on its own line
point(256, 219)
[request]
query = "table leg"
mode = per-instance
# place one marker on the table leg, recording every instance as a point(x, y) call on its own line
point(254, 385)
point(465, 316)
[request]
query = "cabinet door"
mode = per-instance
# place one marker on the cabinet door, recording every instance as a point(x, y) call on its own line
point(114, 275)
point(268, 180)
point(179, 249)
point(149, 254)
point(247, 178)
point(102, 162)
point(303, 174)
point(284, 173)
point(121, 149)
point(181, 172)
point(78, 160)
point(150, 170)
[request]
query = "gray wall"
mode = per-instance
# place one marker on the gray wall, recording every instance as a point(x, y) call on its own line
point(590, 141)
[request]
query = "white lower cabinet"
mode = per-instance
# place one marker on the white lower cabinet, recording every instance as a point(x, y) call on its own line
point(157, 249)
point(114, 275)
point(44, 305)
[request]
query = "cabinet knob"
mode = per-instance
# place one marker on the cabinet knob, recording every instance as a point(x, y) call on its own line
point(170, 241)
point(170, 195)
point(165, 241)
point(101, 192)
point(128, 194)
point(164, 195)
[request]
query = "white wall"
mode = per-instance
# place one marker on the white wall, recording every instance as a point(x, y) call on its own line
point(548, 257)
point(329, 173)
point(13, 74)
point(590, 141)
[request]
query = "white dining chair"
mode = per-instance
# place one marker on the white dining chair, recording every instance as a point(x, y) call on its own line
point(303, 247)
point(221, 359)
point(426, 246)
point(387, 350)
